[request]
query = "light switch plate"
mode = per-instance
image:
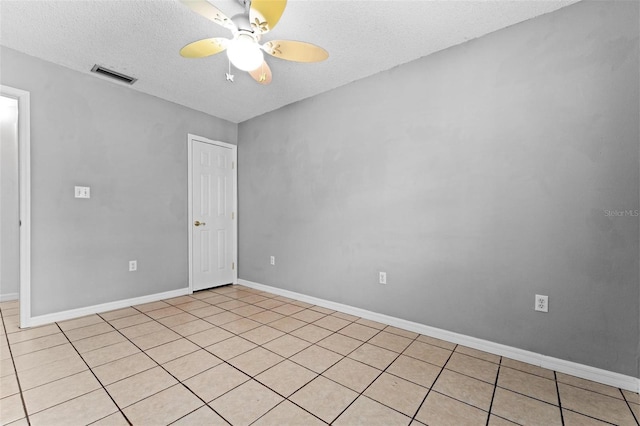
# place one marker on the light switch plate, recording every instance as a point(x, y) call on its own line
point(83, 192)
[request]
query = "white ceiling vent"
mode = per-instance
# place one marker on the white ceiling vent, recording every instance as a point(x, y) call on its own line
point(113, 74)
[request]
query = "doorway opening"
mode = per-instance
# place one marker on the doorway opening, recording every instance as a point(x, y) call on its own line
point(15, 204)
point(9, 201)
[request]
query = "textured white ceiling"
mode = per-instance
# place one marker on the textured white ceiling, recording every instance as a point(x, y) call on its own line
point(142, 38)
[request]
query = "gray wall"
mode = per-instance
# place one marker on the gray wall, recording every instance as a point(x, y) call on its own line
point(131, 149)
point(476, 178)
point(10, 202)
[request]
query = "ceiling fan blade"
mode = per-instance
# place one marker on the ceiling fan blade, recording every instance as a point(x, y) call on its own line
point(265, 14)
point(262, 74)
point(297, 51)
point(209, 11)
point(205, 47)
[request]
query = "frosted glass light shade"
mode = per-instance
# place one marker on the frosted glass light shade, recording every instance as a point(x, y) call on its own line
point(244, 53)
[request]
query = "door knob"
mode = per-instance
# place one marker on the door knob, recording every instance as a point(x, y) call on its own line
point(198, 223)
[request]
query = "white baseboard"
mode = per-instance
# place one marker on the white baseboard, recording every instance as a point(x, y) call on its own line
point(9, 296)
point(104, 307)
point(568, 367)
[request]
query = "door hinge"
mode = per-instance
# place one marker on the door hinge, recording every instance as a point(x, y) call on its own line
point(233, 215)
point(233, 165)
point(233, 265)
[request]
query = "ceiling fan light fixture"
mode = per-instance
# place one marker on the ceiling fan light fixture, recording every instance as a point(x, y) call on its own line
point(245, 53)
point(244, 50)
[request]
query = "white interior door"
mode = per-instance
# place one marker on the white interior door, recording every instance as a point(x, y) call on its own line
point(213, 198)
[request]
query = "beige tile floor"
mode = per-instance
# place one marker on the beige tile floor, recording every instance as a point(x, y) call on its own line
point(234, 355)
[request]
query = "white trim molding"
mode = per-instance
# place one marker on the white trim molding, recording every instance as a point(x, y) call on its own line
point(24, 170)
point(568, 367)
point(234, 154)
point(7, 297)
point(104, 307)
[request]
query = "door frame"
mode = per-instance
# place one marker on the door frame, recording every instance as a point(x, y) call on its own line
point(24, 178)
point(234, 155)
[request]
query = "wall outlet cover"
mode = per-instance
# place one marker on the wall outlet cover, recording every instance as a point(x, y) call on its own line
point(542, 303)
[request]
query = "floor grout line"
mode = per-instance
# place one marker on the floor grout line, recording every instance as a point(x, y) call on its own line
point(15, 371)
point(378, 331)
point(94, 375)
point(433, 384)
point(289, 358)
point(399, 354)
point(168, 372)
point(624, 397)
point(284, 359)
point(231, 295)
point(493, 395)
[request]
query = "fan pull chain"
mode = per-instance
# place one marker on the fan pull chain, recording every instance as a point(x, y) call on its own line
point(229, 75)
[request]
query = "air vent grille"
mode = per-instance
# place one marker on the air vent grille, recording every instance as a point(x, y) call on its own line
point(113, 74)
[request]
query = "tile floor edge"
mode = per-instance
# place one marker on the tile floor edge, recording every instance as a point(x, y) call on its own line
point(599, 375)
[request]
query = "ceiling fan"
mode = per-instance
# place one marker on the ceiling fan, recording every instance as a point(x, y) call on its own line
point(244, 50)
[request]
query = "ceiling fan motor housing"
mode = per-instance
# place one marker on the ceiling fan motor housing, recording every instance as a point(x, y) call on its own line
point(242, 23)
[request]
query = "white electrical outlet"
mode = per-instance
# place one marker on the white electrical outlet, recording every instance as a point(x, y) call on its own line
point(272, 260)
point(542, 303)
point(382, 277)
point(133, 265)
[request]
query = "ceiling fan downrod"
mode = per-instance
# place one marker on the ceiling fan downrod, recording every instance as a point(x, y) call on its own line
point(242, 20)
